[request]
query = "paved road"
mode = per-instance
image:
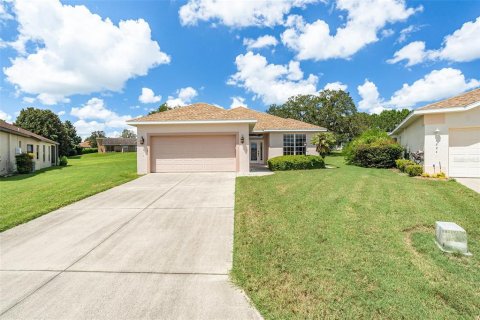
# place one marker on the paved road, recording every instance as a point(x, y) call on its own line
point(159, 247)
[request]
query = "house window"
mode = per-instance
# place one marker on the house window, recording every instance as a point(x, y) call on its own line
point(294, 144)
point(48, 153)
point(43, 153)
point(19, 144)
point(38, 152)
point(29, 148)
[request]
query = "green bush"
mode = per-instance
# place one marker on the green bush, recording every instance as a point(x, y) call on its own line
point(63, 161)
point(24, 163)
point(88, 150)
point(299, 162)
point(402, 163)
point(373, 149)
point(414, 170)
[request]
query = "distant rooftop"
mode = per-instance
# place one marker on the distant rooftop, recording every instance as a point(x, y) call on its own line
point(117, 141)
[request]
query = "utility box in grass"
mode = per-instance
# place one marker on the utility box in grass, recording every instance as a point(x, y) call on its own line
point(450, 237)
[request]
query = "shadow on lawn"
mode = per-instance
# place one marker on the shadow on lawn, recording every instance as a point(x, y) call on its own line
point(18, 176)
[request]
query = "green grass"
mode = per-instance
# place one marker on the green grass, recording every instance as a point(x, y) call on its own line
point(28, 196)
point(354, 243)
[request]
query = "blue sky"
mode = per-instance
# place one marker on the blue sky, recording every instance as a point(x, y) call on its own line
point(98, 63)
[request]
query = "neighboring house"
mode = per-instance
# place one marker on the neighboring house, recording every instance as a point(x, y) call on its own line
point(116, 145)
point(85, 144)
point(203, 137)
point(15, 140)
point(448, 132)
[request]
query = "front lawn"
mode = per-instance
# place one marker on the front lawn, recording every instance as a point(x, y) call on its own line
point(28, 196)
point(354, 243)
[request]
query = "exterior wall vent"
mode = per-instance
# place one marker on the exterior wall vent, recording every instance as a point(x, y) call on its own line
point(450, 237)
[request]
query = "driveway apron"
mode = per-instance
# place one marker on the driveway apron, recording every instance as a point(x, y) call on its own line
point(158, 247)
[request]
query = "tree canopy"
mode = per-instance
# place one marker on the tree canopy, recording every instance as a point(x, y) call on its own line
point(72, 138)
point(336, 111)
point(331, 109)
point(128, 134)
point(387, 120)
point(93, 138)
point(48, 124)
point(161, 108)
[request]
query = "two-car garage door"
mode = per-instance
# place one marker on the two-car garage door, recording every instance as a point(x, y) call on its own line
point(194, 153)
point(464, 153)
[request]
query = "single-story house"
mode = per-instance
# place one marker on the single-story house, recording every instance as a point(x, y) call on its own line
point(448, 133)
point(204, 137)
point(116, 145)
point(15, 140)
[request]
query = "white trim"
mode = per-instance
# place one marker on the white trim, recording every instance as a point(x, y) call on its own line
point(402, 123)
point(420, 112)
point(133, 123)
point(293, 130)
point(454, 109)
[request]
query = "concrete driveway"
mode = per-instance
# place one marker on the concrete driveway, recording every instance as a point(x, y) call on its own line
point(472, 183)
point(159, 247)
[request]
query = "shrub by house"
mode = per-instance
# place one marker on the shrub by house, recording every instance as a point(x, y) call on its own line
point(373, 149)
point(299, 162)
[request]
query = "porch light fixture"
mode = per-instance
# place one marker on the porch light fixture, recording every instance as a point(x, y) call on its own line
point(242, 139)
point(142, 141)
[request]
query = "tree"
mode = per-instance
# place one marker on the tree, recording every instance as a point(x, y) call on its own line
point(161, 108)
point(93, 138)
point(324, 141)
point(72, 138)
point(44, 123)
point(387, 120)
point(331, 109)
point(128, 134)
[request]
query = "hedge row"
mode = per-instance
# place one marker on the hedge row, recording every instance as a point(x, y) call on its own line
point(89, 150)
point(300, 162)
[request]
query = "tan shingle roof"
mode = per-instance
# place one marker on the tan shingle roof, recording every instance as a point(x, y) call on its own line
point(461, 100)
point(117, 141)
point(267, 121)
point(207, 112)
point(7, 127)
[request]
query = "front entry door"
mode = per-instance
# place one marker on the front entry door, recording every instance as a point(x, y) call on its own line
point(256, 151)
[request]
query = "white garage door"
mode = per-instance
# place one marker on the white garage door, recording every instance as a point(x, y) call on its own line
point(464, 153)
point(193, 153)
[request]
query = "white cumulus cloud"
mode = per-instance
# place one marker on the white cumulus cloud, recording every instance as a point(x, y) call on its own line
point(239, 13)
point(337, 85)
point(5, 116)
point(184, 97)
point(371, 101)
point(76, 51)
point(260, 42)
point(272, 83)
point(436, 85)
point(365, 18)
point(413, 53)
point(463, 45)
point(148, 96)
point(238, 102)
point(94, 116)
